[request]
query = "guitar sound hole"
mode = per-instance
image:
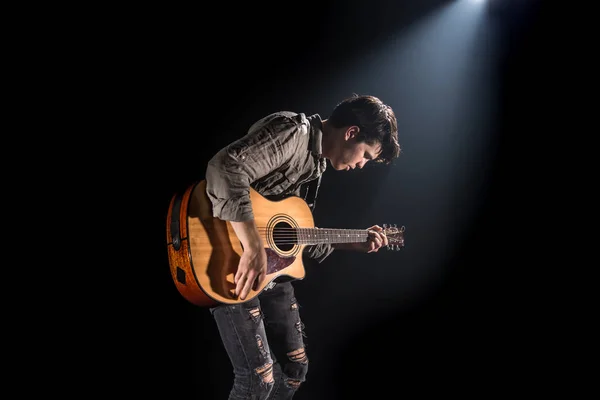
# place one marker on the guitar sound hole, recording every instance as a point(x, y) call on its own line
point(284, 236)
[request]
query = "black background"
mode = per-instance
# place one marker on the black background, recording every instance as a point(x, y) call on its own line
point(181, 73)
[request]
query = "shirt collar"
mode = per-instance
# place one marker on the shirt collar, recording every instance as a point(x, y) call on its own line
point(316, 134)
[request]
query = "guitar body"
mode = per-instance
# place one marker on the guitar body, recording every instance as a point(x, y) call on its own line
point(204, 251)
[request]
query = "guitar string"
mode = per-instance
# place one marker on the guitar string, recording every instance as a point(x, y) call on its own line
point(320, 233)
point(316, 229)
point(295, 239)
point(292, 235)
point(294, 232)
point(319, 230)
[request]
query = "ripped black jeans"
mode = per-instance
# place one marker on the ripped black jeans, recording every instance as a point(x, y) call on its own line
point(264, 338)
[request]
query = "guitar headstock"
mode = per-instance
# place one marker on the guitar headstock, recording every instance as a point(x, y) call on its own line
point(395, 236)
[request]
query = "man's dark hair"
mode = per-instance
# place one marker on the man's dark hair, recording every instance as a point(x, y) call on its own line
point(376, 121)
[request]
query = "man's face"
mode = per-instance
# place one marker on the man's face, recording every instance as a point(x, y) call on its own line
point(352, 154)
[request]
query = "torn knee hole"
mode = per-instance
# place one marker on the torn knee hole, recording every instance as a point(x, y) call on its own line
point(295, 383)
point(298, 356)
point(300, 328)
point(259, 342)
point(266, 372)
point(261, 345)
point(254, 312)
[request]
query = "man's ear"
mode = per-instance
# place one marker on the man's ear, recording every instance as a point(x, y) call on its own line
point(351, 132)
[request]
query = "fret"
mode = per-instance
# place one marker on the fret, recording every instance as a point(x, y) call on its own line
point(311, 236)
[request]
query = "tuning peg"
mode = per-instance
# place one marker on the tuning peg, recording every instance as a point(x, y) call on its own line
point(384, 226)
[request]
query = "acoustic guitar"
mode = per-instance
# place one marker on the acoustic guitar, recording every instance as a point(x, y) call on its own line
point(204, 251)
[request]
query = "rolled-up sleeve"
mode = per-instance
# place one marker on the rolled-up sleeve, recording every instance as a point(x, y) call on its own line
point(229, 174)
point(319, 252)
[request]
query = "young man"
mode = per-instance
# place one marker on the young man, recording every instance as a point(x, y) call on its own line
point(282, 155)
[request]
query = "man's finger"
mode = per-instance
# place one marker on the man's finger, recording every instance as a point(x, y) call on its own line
point(246, 288)
point(239, 283)
point(259, 280)
point(250, 279)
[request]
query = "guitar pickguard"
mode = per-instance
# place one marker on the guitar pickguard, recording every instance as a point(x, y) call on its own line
point(275, 262)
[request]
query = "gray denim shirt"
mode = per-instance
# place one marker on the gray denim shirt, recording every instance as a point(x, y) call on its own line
point(280, 153)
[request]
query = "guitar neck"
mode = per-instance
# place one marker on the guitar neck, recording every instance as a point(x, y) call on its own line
point(311, 236)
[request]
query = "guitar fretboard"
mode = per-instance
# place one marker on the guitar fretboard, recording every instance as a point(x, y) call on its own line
point(312, 236)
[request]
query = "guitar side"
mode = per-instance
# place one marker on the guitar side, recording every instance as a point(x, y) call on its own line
point(204, 251)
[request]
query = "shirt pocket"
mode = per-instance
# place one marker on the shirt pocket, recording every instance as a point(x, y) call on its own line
point(279, 183)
